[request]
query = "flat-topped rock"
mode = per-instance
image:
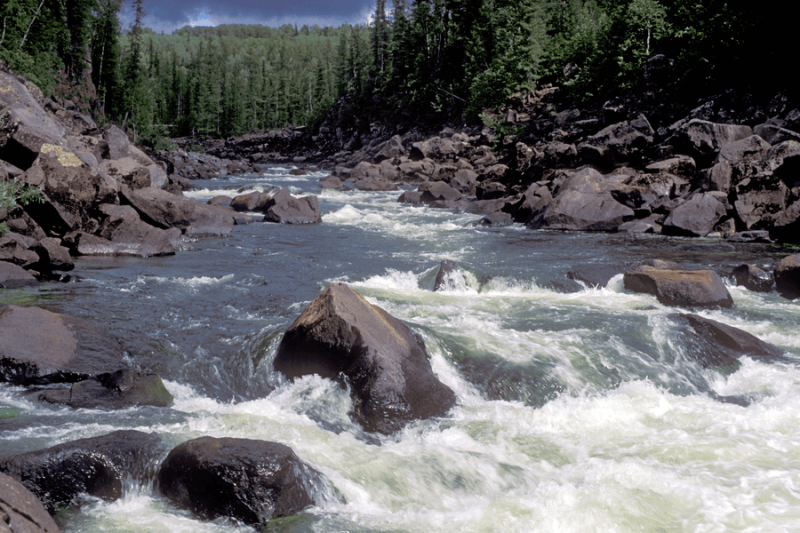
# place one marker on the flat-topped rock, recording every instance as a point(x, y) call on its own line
point(696, 288)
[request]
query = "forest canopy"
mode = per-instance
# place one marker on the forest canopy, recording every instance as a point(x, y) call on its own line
point(431, 60)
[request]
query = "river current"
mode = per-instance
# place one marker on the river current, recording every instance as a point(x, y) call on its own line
point(579, 409)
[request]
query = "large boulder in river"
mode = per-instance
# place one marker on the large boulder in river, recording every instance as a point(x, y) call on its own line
point(283, 208)
point(682, 288)
point(130, 235)
point(753, 278)
point(386, 363)
point(787, 276)
point(20, 509)
point(249, 480)
point(717, 344)
point(96, 466)
point(165, 210)
point(38, 347)
point(580, 211)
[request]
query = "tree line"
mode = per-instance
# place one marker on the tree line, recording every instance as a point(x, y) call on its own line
point(420, 60)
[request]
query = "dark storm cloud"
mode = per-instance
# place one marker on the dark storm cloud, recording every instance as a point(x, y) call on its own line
point(167, 16)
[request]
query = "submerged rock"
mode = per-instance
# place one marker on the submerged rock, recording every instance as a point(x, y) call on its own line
point(717, 344)
point(248, 480)
point(698, 288)
point(96, 466)
point(386, 363)
point(113, 390)
point(21, 511)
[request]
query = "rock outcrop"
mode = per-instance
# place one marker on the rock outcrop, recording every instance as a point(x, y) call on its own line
point(386, 363)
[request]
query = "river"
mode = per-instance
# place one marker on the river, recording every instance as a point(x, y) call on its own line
point(579, 409)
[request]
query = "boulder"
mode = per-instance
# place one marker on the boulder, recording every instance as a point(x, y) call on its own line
point(52, 256)
point(128, 172)
point(249, 202)
point(248, 480)
point(129, 235)
point(594, 275)
point(114, 390)
point(464, 180)
point(386, 363)
point(786, 227)
point(682, 165)
point(759, 200)
point(496, 219)
point(717, 344)
point(718, 178)
point(283, 208)
point(96, 466)
point(391, 149)
point(787, 277)
point(696, 217)
point(411, 197)
point(23, 132)
point(164, 210)
point(40, 347)
point(704, 140)
point(15, 249)
point(437, 190)
point(332, 182)
point(221, 201)
point(533, 201)
point(578, 211)
point(697, 288)
point(15, 277)
point(490, 190)
point(752, 148)
point(20, 510)
point(373, 185)
point(298, 172)
point(118, 143)
point(753, 278)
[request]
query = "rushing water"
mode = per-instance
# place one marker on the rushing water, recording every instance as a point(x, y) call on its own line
point(578, 409)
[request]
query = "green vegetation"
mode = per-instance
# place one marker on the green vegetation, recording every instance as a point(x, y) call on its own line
point(12, 193)
point(425, 61)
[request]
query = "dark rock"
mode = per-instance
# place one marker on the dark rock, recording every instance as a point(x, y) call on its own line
point(718, 178)
point(298, 172)
point(15, 249)
point(20, 510)
point(787, 277)
point(753, 278)
point(14, 277)
point(448, 276)
point(437, 190)
point(786, 227)
point(249, 202)
point(696, 217)
point(23, 132)
point(759, 200)
point(164, 210)
point(464, 180)
point(39, 347)
point(706, 247)
point(750, 236)
point(128, 172)
point(283, 208)
point(640, 226)
point(96, 466)
point(115, 390)
point(53, 256)
point(410, 197)
point(249, 480)
point(752, 148)
point(490, 190)
point(698, 288)
point(595, 275)
point(386, 363)
point(533, 201)
point(573, 210)
point(496, 219)
point(704, 140)
point(391, 149)
point(682, 165)
point(717, 344)
point(374, 185)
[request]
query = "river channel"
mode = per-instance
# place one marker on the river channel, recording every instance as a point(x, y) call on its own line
point(579, 409)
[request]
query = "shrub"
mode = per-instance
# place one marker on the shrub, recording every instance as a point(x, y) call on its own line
point(13, 192)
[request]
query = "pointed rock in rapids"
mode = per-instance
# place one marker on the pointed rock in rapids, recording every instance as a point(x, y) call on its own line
point(717, 344)
point(387, 365)
point(249, 480)
point(21, 511)
point(96, 466)
point(682, 288)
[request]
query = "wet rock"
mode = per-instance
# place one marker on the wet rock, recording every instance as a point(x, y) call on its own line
point(40, 347)
point(717, 344)
point(283, 208)
point(115, 390)
point(750, 236)
point(249, 480)
point(445, 276)
point(159, 208)
point(698, 288)
point(386, 363)
point(298, 172)
point(20, 510)
point(410, 197)
point(221, 201)
point(753, 278)
point(374, 185)
point(595, 275)
point(787, 277)
point(253, 201)
point(640, 226)
point(706, 247)
point(15, 277)
point(96, 466)
point(696, 217)
point(129, 235)
point(437, 190)
point(496, 219)
point(578, 211)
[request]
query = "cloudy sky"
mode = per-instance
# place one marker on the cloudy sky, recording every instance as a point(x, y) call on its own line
point(166, 16)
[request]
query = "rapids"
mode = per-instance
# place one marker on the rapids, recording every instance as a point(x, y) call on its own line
point(579, 409)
